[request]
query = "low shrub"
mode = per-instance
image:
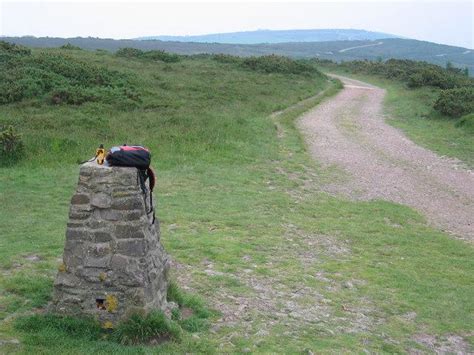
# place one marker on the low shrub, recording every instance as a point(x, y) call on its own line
point(278, 64)
point(162, 56)
point(140, 329)
point(129, 52)
point(226, 58)
point(60, 79)
point(11, 145)
point(70, 46)
point(72, 95)
point(455, 102)
point(466, 123)
point(13, 49)
point(152, 55)
point(415, 74)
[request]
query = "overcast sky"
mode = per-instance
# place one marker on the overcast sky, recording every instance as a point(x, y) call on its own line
point(442, 22)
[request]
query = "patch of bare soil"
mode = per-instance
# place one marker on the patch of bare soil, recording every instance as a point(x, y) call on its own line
point(451, 344)
point(276, 300)
point(349, 132)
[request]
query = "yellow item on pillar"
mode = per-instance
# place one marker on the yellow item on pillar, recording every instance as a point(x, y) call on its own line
point(100, 154)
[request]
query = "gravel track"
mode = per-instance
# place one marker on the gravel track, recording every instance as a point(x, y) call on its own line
point(349, 131)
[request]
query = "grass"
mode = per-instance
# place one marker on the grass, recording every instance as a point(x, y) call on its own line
point(288, 268)
point(412, 111)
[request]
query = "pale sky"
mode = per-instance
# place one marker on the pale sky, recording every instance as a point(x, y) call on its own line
point(436, 21)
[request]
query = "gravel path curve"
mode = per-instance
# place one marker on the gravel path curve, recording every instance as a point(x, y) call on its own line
point(348, 131)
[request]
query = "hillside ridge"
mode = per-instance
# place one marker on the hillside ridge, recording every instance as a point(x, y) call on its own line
point(277, 36)
point(398, 48)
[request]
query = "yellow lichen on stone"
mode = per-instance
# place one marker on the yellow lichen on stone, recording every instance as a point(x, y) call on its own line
point(120, 194)
point(107, 325)
point(102, 276)
point(111, 303)
point(62, 267)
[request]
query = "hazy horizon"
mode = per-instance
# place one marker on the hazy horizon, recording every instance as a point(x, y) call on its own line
point(440, 22)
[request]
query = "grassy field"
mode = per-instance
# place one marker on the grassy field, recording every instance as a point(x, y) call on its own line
point(412, 111)
point(286, 267)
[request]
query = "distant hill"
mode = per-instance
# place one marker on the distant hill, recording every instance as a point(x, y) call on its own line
point(277, 36)
point(335, 50)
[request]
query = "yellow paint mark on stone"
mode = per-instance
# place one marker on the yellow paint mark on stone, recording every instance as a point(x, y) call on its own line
point(62, 267)
point(107, 325)
point(111, 303)
point(102, 276)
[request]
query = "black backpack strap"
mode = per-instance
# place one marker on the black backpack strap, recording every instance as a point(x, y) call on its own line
point(152, 209)
point(141, 179)
point(142, 176)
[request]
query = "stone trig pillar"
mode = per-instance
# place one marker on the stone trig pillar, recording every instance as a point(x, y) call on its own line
point(113, 262)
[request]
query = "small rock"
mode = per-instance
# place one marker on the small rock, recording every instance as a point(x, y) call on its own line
point(172, 227)
point(246, 258)
point(33, 258)
point(348, 284)
point(213, 272)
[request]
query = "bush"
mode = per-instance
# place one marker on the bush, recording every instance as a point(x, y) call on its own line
point(466, 123)
point(162, 56)
point(278, 64)
point(226, 58)
point(60, 79)
point(455, 102)
point(69, 46)
point(72, 95)
point(11, 145)
point(129, 53)
point(153, 55)
point(13, 49)
point(140, 329)
point(415, 74)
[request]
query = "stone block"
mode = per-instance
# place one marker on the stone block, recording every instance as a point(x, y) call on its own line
point(129, 203)
point(100, 236)
point(78, 215)
point(67, 279)
point(132, 247)
point(99, 249)
point(101, 200)
point(77, 234)
point(126, 231)
point(79, 199)
point(93, 261)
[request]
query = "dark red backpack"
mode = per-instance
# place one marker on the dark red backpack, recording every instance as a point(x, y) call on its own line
point(139, 157)
point(129, 155)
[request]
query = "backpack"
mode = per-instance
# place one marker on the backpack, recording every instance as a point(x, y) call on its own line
point(129, 155)
point(135, 156)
